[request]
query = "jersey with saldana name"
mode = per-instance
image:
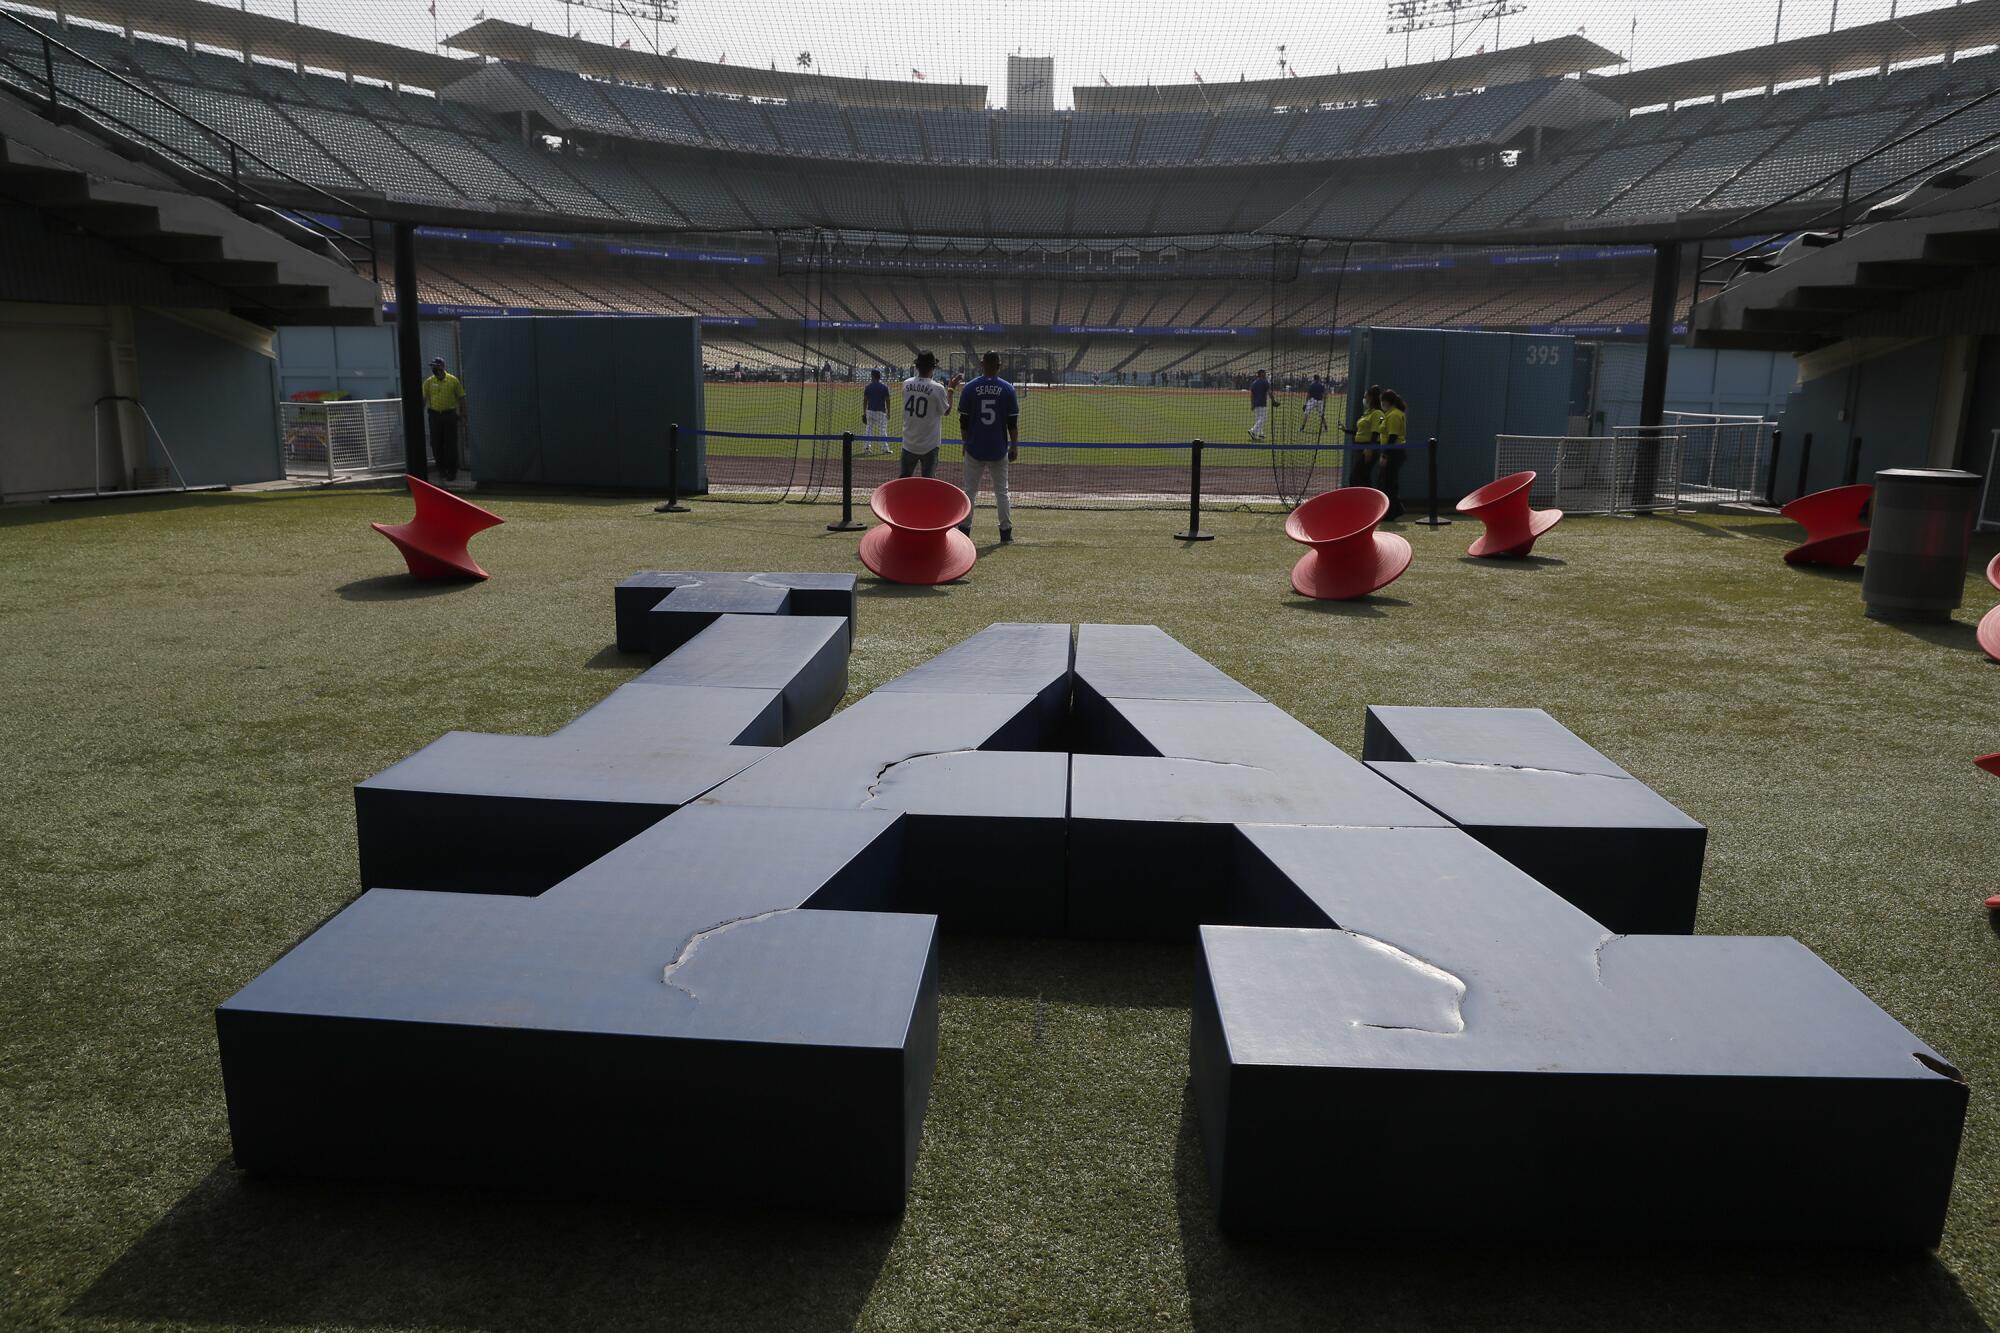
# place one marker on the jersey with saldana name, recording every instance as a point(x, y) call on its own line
point(926, 403)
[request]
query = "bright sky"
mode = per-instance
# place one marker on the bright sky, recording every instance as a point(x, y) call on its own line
point(1126, 41)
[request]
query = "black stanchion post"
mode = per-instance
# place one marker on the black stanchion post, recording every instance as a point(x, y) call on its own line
point(1771, 472)
point(847, 523)
point(1805, 456)
point(673, 504)
point(1853, 473)
point(1431, 466)
point(1194, 532)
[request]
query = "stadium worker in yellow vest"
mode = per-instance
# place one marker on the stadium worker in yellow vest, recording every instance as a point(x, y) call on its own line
point(1395, 431)
point(445, 397)
point(1367, 429)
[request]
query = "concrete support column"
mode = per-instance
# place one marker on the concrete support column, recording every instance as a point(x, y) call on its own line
point(410, 351)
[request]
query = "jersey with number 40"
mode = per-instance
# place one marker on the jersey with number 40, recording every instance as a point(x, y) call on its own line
point(925, 405)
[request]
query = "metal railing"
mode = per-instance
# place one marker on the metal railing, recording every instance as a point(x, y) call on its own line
point(348, 437)
point(1761, 246)
point(1722, 458)
point(223, 177)
point(1630, 471)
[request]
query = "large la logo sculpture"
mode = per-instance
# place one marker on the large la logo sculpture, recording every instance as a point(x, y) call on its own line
point(687, 946)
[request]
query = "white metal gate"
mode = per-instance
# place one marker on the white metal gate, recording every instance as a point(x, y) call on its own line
point(1722, 458)
point(349, 437)
point(1629, 471)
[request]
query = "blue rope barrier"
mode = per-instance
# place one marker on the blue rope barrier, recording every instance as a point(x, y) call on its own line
point(1049, 444)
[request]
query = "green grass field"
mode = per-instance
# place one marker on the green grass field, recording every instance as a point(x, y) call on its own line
point(192, 686)
point(1070, 414)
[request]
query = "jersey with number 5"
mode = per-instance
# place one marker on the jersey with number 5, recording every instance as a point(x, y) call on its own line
point(926, 403)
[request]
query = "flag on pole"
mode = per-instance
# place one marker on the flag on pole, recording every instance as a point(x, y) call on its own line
point(1101, 79)
point(1198, 78)
point(625, 45)
point(918, 74)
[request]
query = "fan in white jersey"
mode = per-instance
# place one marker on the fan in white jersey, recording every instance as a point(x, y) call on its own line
point(926, 404)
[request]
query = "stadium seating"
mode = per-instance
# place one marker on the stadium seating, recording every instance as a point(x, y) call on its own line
point(357, 137)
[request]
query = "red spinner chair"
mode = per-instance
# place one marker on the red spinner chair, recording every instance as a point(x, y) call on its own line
point(1991, 762)
point(1348, 557)
point(1511, 527)
point(433, 543)
point(1836, 524)
point(1989, 624)
point(919, 540)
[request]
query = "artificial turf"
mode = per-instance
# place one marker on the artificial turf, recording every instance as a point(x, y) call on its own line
point(1072, 415)
point(191, 687)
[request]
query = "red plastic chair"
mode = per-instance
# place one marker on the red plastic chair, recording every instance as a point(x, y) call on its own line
point(1348, 557)
point(1836, 526)
point(1989, 624)
point(1991, 762)
point(433, 543)
point(919, 540)
point(1511, 527)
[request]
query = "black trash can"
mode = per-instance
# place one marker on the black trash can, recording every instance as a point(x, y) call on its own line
point(1919, 539)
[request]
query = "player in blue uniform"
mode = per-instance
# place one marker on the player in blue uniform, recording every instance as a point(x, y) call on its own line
point(875, 413)
point(1315, 405)
point(989, 422)
point(1260, 405)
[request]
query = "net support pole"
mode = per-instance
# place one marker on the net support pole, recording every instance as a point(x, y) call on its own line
point(410, 351)
point(847, 523)
point(1771, 470)
point(1194, 532)
point(1805, 457)
point(1431, 466)
point(673, 504)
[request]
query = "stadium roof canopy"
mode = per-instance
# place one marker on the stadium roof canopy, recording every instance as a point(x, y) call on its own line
point(1870, 46)
point(512, 41)
point(1533, 60)
point(256, 34)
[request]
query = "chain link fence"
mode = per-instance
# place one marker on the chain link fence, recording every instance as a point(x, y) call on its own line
point(1628, 472)
point(353, 437)
point(1722, 458)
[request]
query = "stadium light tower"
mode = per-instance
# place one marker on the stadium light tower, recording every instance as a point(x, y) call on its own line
point(1409, 16)
point(656, 12)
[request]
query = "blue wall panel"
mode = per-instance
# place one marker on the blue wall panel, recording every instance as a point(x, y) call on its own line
point(1465, 388)
point(584, 401)
point(213, 400)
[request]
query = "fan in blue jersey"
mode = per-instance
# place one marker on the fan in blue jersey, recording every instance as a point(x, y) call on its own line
point(989, 421)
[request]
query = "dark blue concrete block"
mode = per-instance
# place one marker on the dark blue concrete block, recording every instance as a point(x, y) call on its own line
point(800, 660)
point(687, 611)
point(1151, 838)
point(478, 813)
point(706, 593)
point(1137, 662)
point(1611, 845)
point(1003, 659)
point(1504, 737)
point(684, 1018)
point(1447, 1048)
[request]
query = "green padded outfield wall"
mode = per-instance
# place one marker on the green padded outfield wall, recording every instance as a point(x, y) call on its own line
point(1465, 388)
point(583, 400)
